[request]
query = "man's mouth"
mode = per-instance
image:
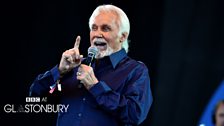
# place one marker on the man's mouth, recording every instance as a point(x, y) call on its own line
point(100, 45)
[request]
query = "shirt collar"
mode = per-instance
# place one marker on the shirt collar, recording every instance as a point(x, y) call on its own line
point(116, 57)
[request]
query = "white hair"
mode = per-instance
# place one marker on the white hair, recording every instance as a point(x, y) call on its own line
point(124, 24)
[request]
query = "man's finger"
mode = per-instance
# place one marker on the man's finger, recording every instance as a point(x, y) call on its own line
point(77, 42)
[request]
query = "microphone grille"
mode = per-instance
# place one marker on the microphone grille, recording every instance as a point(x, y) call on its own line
point(92, 50)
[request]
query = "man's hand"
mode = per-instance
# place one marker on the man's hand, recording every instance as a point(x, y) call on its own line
point(86, 75)
point(70, 58)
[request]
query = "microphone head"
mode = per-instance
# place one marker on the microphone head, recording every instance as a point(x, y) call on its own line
point(92, 51)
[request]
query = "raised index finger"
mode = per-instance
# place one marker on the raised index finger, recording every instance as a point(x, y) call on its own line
point(77, 42)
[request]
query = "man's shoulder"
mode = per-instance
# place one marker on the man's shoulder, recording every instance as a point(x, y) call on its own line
point(137, 63)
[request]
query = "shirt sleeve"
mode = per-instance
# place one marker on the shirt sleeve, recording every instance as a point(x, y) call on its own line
point(42, 82)
point(132, 106)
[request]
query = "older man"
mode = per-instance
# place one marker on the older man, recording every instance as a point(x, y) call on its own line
point(113, 90)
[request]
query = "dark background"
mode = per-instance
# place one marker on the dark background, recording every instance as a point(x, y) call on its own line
point(181, 42)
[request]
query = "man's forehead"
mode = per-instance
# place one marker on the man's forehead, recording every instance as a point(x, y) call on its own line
point(105, 21)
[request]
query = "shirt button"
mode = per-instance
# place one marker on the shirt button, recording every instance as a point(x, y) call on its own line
point(80, 114)
point(84, 99)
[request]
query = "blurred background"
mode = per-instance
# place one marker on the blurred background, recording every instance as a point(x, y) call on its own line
point(181, 42)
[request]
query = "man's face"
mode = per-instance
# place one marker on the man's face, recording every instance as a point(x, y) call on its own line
point(220, 115)
point(104, 34)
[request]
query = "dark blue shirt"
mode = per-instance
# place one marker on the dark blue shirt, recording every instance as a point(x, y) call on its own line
point(121, 97)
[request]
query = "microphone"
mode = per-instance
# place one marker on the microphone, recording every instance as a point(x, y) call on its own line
point(92, 52)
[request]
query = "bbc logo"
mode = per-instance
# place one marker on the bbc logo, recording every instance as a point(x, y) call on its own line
point(32, 99)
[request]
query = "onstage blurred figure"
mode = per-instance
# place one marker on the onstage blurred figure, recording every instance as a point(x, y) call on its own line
point(112, 90)
point(218, 117)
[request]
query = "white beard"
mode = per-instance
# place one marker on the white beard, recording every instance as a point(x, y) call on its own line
point(107, 52)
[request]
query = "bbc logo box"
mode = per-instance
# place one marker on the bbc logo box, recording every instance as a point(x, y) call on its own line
point(32, 99)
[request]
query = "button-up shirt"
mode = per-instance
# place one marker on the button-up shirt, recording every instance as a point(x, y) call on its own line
point(121, 97)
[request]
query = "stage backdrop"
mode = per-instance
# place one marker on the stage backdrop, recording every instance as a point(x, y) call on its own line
point(181, 42)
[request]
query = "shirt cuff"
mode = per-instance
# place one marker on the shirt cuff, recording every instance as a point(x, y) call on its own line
point(55, 73)
point(99, 89)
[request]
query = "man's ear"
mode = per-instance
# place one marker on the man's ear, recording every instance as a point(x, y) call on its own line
point(124, 36)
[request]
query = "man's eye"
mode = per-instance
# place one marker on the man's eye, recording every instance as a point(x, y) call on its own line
point(94, 28)
point(106, 29)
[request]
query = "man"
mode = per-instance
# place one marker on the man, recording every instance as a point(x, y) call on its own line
point(218, 117)
point(114, 90)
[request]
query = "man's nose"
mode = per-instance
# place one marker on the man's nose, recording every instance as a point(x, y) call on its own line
point(99, 35)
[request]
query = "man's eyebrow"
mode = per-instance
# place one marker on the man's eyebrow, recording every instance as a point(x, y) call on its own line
point(106, 25)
